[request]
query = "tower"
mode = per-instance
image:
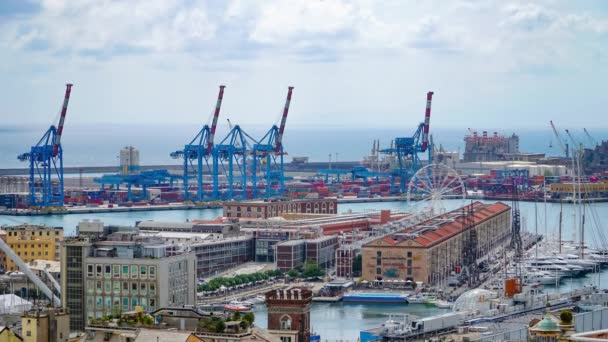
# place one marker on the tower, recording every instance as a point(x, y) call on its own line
point(289, 314)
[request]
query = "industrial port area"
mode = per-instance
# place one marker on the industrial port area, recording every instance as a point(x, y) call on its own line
point(240, 240)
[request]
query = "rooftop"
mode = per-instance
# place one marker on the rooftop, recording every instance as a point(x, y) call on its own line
point(443, 227)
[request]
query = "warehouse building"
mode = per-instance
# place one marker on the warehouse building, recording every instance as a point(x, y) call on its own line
point(434, 249)
point(272, 208)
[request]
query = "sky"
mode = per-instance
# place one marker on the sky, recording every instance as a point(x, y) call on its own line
point(362, 63)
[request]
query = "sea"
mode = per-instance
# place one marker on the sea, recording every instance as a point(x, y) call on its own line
point(99, 145)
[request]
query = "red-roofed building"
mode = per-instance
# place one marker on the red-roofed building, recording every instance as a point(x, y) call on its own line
point(436, 248)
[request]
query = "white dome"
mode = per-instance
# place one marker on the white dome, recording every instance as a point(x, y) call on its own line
point(477, 300)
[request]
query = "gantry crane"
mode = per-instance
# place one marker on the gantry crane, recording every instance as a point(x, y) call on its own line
point(46, 163)
point(230, 161)
point(197, 156)
point(268, 157)
point(407, 149)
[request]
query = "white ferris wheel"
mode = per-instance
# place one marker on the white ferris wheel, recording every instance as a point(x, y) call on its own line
point(433, 184)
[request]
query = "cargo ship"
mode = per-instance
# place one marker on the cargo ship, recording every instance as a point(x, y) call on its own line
point(375, 297)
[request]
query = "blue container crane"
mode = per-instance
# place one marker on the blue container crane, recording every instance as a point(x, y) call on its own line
point(197, 156)
point(407, 149)
point(268, 158)
point(230, 160)
point(46, 163)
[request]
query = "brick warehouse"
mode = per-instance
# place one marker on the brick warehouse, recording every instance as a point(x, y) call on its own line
point(433, 249)
point(271, 208)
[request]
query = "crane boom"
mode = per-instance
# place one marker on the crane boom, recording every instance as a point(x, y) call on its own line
point(30, 274)
point(283, 120)
point(216, 114)
point(559, 139)
point(64, 110)
point(591, 140)
point(427, 119)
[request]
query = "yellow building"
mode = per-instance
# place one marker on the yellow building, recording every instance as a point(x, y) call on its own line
point(31, 242)
point(7, 335)
point(45, 326)
point(431, 251)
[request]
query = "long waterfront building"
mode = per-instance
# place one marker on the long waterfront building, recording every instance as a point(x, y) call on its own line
point(434, 249)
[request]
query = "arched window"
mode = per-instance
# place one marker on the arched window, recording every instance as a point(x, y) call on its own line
point(285, 322)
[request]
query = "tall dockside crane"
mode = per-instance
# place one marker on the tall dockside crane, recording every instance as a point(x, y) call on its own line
point(407, 149)
point(592, 141)
point(46, 163)
point(563, 146)
point(197, 156)
point(268, 157)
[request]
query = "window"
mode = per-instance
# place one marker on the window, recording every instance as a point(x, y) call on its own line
point(99, 302)
point(98, 271)
point(409, 271)
point(125, 303)
point(143, 302)
point(116, 287)
point(125, 271)
point(28, 333)
point(142, 289)
point(133, 302)
point(134, 271)
point(134, 288)
point(152, 303)
point(285, 323)
point(378, 254)
point(98, 286)
point(378, 262)
point(285, 338)
point(409, 254)
point(107, 286)
point(378, 270)
point(152, 289)
point(108, 271)
point(152, 272)
point(409, 262)
point(143, 271)
point(125, 286)
point(116, 271)
point(108, 302)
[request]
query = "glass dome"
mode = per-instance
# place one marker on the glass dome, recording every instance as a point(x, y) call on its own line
point(477, 300)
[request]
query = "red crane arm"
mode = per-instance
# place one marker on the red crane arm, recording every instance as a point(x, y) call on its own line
point(427, 120)
point(283, 120)
point(216, 114)
point(64, 111)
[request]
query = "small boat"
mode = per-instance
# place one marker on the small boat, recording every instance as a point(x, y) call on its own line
point(237, 307)
point(442, 304)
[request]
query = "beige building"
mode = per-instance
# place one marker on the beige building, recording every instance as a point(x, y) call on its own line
point(32, 242)
point(432, 250)
point(45, 326)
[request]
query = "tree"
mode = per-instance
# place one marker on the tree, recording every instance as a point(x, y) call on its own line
point(220, 326)
point(292, 273)
point(249, 318)
point(312, 270)
point(566, 317)
point(236, 316)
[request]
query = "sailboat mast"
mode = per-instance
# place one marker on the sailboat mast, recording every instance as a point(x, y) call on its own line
point(561, 206)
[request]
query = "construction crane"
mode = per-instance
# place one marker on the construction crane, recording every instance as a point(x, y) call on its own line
point(560, 142)
point(407, 149)
point(197, 155)
point(590, 138)
point(46, 163)
point(268, 157)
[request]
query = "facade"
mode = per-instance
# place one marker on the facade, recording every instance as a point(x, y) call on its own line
point(596, 160)
point(295, 253)
point(32, 242)
point(271, 208)
point(489, 148)
point(106, 275)
point(289, 314)
point(217, 255)
point(45, 326)
point(434, 249)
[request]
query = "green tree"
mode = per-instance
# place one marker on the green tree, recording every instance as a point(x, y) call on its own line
point(312, 270)
point(249, 318)
point(236, 316)
point(292, 273)
point(220, 326)
point(565, 316)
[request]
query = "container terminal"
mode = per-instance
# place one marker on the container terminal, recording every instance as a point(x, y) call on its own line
point(239, 166)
